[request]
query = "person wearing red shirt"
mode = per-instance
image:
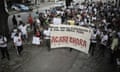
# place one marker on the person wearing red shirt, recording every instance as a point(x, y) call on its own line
point(30, 21)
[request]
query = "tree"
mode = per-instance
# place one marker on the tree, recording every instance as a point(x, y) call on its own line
point(3, 19)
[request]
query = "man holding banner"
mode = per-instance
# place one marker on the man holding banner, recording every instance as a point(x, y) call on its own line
point(46, 34)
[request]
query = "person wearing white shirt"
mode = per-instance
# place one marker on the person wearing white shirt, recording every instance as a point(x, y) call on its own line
point(20, 26)
point(3, 47)
point(18, 43)
point(13, 33)
point(93, 18)
point(46, 34)
point(37, 23)
point(95, 11)
point(81, 23)
point(103, 44)
point(93, 42)
point(23, 29)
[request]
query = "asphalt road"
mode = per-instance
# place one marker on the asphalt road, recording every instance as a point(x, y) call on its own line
point(57, 60)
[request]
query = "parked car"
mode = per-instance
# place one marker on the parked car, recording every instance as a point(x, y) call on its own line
point(20, 7)
point(60, 4)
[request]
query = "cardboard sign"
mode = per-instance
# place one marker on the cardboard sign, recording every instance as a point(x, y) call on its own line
point(57, 21)
point(36, 40)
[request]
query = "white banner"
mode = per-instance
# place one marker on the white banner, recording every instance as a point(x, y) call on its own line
point(76, 37)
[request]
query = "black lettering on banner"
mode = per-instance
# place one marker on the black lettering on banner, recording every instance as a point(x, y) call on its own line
point(85, 30)
point(70, 29)
point(51, 28)
point(62, 28)
point(56, 29)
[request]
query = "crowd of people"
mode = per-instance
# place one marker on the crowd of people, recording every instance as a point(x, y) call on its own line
point(102, 18)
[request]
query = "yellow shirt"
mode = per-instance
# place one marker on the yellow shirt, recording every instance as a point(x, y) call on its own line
point(71, 22)
point(114, 43)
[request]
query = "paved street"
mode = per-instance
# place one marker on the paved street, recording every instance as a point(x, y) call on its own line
point(61, 60)
point(38, 59)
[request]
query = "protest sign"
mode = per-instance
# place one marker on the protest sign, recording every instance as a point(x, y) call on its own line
point(57, 21)
point(36, 40)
